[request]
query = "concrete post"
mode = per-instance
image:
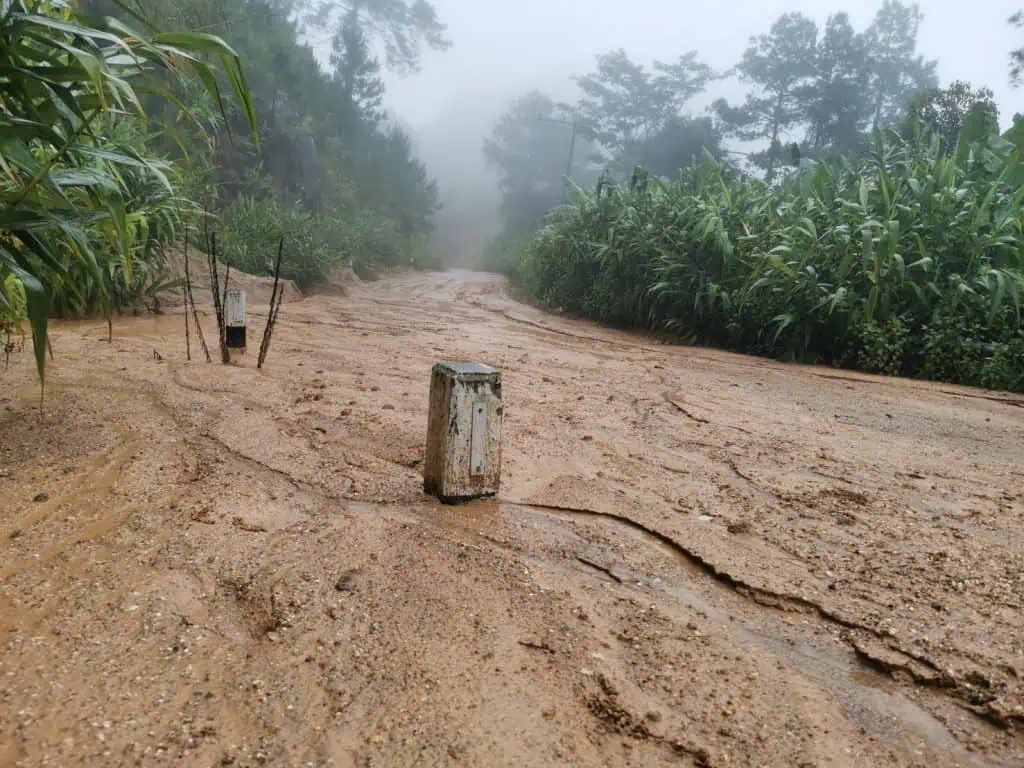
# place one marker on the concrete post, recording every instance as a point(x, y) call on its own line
point(463, 457)
point(234, 320)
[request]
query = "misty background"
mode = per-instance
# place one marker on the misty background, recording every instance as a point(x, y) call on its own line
point(501, 51)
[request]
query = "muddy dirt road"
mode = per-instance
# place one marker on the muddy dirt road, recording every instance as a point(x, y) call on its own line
point(696, 559)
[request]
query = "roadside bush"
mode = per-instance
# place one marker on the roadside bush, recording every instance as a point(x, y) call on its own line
point(250, 228)
point(882, 347)
point(1002, 369)
point(909, 261)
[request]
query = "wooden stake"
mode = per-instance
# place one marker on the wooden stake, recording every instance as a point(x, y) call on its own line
point(275, 304)
point(185, 292)
point(218, 303)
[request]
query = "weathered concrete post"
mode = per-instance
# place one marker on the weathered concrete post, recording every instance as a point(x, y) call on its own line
point(234, 321)
point(463, 458)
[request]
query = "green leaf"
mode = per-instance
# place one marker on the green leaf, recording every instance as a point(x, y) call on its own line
point(37, 303)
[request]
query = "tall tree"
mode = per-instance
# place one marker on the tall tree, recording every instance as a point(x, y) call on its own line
point(680, 142)
point(897, 70)
point(834, 100)
point(402, 27)
point(944, 111)
point(395, 182)
point(529, 149)
point(776, 64)
point(624, 104)
point(357, 74)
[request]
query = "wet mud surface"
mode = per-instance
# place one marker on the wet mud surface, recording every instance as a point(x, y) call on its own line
point(695, 558)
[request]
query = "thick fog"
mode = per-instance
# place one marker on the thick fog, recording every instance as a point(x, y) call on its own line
point(501, 50)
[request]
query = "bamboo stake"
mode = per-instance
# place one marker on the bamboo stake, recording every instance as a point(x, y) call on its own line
point(275, 304)
point(218, 303)
point(185, 292)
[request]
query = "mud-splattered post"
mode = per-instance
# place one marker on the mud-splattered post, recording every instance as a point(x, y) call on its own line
point(463, 458)
point(234, 320)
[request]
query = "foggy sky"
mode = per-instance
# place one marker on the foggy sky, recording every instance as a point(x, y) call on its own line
point(512, 46)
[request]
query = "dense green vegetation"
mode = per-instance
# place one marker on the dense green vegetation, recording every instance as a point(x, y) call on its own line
point(881, 227)
point(908, 262)
point(84, 202)
point(336, 177)
point(813, 93)
point(116, 134)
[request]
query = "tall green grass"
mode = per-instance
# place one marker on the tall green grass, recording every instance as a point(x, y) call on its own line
point(906, 262)
point(81, 202)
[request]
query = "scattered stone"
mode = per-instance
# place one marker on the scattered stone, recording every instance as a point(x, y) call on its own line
point(344, 582)
point(39, 498)
point(738, 527)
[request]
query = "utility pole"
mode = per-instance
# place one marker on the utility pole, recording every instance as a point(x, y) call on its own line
point(572, 144)
point(572, 151)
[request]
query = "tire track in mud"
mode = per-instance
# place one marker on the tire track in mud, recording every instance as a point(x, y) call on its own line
point(111, 463)
point(870, 648)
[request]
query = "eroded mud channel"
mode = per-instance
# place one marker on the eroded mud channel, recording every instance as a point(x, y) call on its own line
point(659, 571)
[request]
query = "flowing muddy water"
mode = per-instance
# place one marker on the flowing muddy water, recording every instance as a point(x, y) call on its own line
point(700, 559)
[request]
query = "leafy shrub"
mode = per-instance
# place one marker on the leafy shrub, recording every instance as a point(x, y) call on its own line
point(69, 201)
point(952, 349)
point(249, 231)
point(1002, 369)
point(882, 347)
point(250, 228)
point(909, 261)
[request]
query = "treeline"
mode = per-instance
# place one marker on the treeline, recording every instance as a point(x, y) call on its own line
point(335, 177)
point(813, 92)
point(879, 229)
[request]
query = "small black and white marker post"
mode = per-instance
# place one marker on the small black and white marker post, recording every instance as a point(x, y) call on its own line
point(234, 321)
